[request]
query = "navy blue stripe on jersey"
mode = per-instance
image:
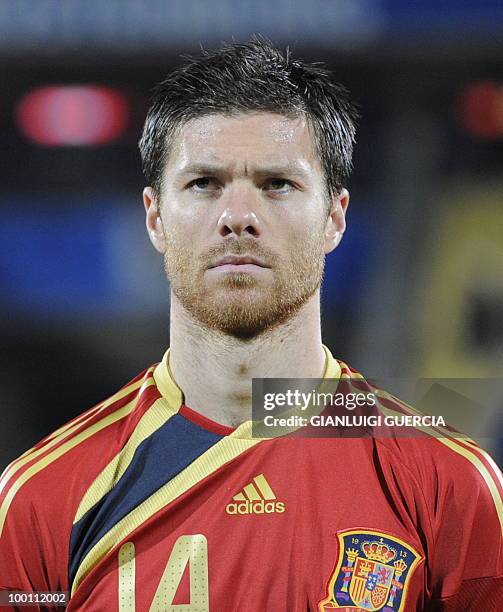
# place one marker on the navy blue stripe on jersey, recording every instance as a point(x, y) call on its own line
point(157, 460)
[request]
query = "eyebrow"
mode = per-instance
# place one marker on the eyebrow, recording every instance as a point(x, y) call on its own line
point(208, 169)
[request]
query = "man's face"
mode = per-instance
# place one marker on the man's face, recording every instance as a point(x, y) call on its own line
point(249, 188)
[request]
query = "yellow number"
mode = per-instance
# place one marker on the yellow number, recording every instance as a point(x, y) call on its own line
point(127, 570)
point(188, 549)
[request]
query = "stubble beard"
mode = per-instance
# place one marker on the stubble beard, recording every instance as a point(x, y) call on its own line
point(240, 304)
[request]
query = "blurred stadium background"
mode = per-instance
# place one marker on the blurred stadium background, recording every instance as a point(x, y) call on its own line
point(415, 289)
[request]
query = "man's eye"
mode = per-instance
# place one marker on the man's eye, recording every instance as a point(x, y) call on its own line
point(279, 184)
point(205, 183)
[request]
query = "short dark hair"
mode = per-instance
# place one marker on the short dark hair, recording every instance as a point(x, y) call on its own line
point(250, 77)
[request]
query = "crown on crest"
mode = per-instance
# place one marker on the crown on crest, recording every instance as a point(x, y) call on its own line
point(378, 551)
point(400, 566)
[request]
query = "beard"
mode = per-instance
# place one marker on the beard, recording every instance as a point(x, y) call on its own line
point(245, 305)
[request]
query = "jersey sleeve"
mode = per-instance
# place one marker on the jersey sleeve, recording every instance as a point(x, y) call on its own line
point(467, 558)
point(40, 492)
point(29, 559)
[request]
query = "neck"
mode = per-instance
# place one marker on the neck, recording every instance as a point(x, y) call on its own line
point(215, 370)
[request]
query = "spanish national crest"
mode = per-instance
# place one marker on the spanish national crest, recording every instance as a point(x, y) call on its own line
point(372, 573)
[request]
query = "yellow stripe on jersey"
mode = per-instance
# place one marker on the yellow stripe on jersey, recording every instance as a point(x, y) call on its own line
point(484, 472)
point(227, 449)
point(64, 448)
point(467, 454)
point(443, 432)
point(154, 418)
point(64, 432)
point(80, 420)
point(47, 443)
point(83, 419)
point(344, 375)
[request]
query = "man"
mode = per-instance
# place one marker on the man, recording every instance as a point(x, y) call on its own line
point(160, 498)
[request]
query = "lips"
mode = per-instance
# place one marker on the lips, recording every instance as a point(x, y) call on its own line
point(238, 260)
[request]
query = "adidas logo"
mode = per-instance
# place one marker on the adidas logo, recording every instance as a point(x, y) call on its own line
point(256, 498)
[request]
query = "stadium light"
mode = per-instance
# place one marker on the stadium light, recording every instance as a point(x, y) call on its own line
point(72, 115)
point(480, 110)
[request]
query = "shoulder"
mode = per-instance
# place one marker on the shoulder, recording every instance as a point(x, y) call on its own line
point(453, 488)
point(63, 464)
point(449, 467)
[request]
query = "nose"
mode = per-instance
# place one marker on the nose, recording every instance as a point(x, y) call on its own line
point(239, 215)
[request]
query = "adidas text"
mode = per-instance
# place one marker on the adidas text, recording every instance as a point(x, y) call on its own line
point(255, 507)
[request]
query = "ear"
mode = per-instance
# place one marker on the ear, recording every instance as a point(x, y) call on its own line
point(155, 227)
point(336, 222)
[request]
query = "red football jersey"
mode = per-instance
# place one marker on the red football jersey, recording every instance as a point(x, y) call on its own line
point(143, 504)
